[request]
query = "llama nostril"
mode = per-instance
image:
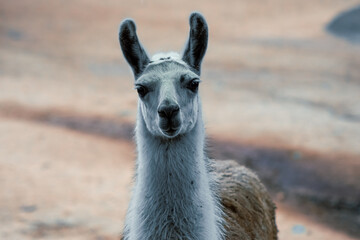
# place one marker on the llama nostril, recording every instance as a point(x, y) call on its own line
point(176, 109)
point(162, 113)
point(168, 111)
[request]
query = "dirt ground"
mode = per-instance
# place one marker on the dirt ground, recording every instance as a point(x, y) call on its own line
point(280, 95)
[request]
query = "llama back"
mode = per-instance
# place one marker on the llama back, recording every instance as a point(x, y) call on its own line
point(248, 208)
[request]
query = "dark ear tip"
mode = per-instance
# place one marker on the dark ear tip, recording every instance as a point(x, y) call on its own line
point(197, 19)
point(127, 26)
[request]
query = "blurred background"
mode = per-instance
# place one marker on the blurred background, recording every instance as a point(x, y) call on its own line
point(281, 95)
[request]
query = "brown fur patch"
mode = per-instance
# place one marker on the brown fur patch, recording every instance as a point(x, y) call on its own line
point(250, 212)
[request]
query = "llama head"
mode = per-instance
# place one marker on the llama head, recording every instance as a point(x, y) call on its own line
point(167, 84)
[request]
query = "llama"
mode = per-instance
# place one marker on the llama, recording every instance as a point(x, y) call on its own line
point(175, 194)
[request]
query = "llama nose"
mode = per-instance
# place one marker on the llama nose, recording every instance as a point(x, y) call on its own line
point(168, 110)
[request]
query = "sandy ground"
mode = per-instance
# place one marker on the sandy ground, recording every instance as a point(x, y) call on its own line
point(275, 85)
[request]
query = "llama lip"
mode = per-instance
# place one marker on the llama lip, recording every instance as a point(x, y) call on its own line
point(169, 127)
point(171, 132)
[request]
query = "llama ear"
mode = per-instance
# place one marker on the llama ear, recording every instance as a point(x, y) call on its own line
point(133, 52)
point(197, 43)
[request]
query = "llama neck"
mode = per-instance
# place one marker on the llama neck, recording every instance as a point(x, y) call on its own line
point(163, 160)
point(173, 188)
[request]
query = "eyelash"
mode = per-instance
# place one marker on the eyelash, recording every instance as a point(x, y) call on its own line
point(142, 90)
point(193, 85)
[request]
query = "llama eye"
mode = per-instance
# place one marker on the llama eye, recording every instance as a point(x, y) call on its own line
point(142, 91)
point(193, 85)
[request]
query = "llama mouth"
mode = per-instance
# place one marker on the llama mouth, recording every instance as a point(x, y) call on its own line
point(169, 128)
point(171, 132)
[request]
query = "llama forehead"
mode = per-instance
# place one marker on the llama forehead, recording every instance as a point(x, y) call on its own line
point(165, 71)
point(163, 62)
point(165, 66)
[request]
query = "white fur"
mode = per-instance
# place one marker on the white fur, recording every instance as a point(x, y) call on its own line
point(174, 195)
